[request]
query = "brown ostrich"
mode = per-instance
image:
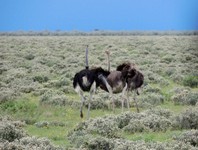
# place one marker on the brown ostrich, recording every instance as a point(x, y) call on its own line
point(124, 79)
point(135, 80)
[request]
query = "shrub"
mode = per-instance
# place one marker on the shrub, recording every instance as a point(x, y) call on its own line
point(10, 131)
point(160, 112)
point(30, 143)
point(167, 59)
point(42, 124)
point(156, 123)
point(150, 100)
point(124, 118)
point(29, 56)
point(135, 126)
point(192, 98)
point(105, 126)
point(150, 89)
point(187, 119)
point(170, 71)
point(98, 143)
point(58, 83)
point(18, 106)
point(177, 77)
point(189, 137)
point(97, 104)
point(185, 97)
point(12, 136)
point(40, 78)
point(110, 126)
point(191, 81)
point(148, 122)
point(53, 98)
point(7, 94)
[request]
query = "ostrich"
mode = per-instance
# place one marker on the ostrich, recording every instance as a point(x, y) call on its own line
point(123, 79)
point(135, 80)
point(87, 80)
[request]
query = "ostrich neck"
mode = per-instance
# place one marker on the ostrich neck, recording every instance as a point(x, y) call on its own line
point(108, 62)
point(86, 58)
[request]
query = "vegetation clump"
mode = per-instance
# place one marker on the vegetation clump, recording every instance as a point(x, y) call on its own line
point(12, 136)
point(189, 137)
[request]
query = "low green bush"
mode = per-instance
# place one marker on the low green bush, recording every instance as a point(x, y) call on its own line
point(187, 119)
point(7, 94)
point(40, 78)
point(111, 126)
point(12, 136)
point(185, 97)
point(98, 143)
point(189, 137)
point(18, 106)
point(29, 56)
point(148, 100)
point(191, 81)
point(10, 131)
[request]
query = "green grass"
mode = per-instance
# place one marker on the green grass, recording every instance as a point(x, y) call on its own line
point(152, 136)
point(56, 134)
point(175, 108)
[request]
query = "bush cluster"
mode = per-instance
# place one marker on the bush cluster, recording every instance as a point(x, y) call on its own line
point(189, 137)
point(12, 136)
point(29, 143)
point(149, 100)
point(184, 97)
point(52, 97)
point(191, 81)
point(10, 130)
point(111, 126)
point(187, 119)
point(153, 120)
point(7, 94)
point(150, 96)
point(99, 143)
point(43, 124)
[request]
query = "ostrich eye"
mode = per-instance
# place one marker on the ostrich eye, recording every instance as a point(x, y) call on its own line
point(129, 75)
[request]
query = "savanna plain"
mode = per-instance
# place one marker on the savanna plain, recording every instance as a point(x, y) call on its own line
point(39, 108)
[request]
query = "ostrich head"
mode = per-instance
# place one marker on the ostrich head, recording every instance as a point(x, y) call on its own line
point(125, 65)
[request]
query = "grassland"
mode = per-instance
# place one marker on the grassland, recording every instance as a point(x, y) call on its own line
point(36, 75)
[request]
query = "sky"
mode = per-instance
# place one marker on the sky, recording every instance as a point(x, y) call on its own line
point(89, 15)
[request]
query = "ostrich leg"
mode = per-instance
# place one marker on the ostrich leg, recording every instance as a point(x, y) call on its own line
point(128, 106)
point(123, 96)
point(92, 91)
point(109, 88)
point(82, 102)
point(135, 92)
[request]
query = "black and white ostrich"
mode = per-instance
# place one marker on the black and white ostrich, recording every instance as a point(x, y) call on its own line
point(87, 81)
point(122, 80)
